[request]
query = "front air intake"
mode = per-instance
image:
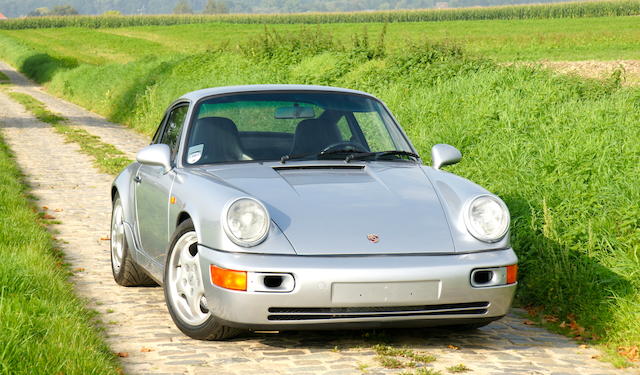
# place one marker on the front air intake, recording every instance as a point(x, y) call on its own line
point(315, 313)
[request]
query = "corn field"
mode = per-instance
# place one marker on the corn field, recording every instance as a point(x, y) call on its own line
point(557, 10)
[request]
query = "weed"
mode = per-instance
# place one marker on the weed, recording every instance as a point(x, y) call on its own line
point(363, 367)
point(459, 368)
point(390, 362)
point(422, 371)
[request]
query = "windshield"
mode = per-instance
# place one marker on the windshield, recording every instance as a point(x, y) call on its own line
point(288, 125)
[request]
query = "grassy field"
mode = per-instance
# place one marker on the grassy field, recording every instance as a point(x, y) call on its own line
point(604, 38)
point(44, 328)
point(574, 9)
point(562, 151)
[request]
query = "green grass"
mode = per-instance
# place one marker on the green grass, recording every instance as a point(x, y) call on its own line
point(106, 157)
point(423, 371)
point(558, 10)
point(605, 38)
point(457, 369)
point(563, 152)
point(44, 328)
point(390, 357)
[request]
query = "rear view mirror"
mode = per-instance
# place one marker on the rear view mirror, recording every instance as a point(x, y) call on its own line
point(158, 154)
point(294, 112)
point(443, 154)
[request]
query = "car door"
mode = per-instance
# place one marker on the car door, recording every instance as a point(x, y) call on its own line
point(152, 188)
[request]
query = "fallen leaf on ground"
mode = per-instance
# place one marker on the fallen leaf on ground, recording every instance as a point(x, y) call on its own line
point(529, 322)
point(58, 210)
point(45, 208)
point(453, 347)
point(104, 238)
point(122, 354)
point(632, 353)
point(146, 350)
point(79, 269)
point(584, 346)
point(595, 356)
point(48, 217)
point(534, 310)
point(563, 325)
point(551, 318)
point(576, 328)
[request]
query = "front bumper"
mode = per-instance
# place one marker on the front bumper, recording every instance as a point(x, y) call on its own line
point(360, 291)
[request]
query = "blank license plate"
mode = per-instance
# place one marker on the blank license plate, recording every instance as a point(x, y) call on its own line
point(386, 293)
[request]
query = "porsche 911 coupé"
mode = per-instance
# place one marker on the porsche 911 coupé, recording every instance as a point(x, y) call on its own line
point(276, 207)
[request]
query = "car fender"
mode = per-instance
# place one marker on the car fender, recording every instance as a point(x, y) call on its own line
point(204, 199)
point(455, 192)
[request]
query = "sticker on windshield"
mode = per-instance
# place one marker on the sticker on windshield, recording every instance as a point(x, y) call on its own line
point(195, 153)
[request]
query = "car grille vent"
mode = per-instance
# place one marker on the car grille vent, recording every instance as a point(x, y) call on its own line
point(318, 166)
point(313, 313)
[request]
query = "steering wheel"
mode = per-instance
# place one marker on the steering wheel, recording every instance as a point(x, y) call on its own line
point(346, 146)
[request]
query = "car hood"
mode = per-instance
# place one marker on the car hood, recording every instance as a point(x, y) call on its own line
point(347, 209)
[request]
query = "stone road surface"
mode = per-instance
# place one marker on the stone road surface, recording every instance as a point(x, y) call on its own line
point(136, 318)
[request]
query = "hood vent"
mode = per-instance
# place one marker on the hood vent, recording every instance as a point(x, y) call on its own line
point(318, 166)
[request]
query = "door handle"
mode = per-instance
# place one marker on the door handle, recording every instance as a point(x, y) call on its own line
point(137, 179)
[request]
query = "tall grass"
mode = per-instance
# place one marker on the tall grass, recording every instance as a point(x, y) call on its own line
point(561, 151)
point(558, 10)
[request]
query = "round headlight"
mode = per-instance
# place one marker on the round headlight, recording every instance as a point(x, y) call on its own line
point(487, 218)
point(246, 222)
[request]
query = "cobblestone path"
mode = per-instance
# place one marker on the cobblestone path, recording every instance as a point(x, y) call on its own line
point(137, 321)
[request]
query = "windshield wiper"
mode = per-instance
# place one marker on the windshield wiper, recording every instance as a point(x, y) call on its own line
point(284, 158)
point(349, 151)
point(381, 154)
point(322, 154)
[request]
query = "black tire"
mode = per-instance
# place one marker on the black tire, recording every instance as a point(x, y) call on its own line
point(210, 329)
point(129, 273)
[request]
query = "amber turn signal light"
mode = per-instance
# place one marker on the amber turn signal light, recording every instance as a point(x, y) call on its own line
point(512, 274)
point(228, 279)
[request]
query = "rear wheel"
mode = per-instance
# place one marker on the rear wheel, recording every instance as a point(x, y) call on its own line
point(184, 289)
point(125, 271)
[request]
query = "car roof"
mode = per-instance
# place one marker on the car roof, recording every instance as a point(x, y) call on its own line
point(199, 94)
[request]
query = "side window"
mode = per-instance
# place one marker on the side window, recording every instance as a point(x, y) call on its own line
point(171, 134)
point(156, 135)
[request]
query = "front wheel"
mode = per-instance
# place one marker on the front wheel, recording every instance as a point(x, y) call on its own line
point(184, 289)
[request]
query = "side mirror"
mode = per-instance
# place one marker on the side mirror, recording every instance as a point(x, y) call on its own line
point(158, 154)
point(443, 154)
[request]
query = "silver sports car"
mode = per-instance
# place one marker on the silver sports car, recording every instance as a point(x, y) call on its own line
point(288, 207)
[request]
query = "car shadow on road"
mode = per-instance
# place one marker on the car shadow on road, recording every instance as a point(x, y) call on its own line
point(506, 334)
